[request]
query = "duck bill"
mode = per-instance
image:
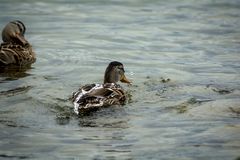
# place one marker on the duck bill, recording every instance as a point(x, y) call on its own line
point(124, 79)
point(21, 39)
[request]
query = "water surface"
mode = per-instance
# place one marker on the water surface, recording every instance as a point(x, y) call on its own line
point(183, 58)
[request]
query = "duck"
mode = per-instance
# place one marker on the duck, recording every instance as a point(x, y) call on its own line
point(92, 97)
point(15, 49)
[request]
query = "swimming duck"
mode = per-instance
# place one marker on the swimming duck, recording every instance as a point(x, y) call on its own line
point(94, 96)
point(15, 49)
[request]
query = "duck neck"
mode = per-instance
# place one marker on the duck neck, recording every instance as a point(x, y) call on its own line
point(111, 77)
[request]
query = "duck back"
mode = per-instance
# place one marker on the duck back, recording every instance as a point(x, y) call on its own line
point(95, 96)
point(13, 54)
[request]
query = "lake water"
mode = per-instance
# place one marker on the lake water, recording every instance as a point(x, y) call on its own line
point(182, 56)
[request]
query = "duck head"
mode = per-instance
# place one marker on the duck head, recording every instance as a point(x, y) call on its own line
point(114, 73)
point(14, 32)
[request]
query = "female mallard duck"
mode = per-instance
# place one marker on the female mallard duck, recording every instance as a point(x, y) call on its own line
point(94, 96)
point(15, 49)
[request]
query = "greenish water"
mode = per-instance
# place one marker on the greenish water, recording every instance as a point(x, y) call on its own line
point(195, 115)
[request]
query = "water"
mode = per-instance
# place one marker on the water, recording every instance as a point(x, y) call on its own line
point(194, 44)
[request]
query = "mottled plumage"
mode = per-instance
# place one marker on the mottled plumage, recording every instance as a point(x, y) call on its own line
point(94, 96)
point(15, 49)
point(13, 54)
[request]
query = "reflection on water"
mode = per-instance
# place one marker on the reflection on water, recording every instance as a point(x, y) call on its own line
point(117, 118)
point(183, 59)
point(12, 73)
point(14, 91)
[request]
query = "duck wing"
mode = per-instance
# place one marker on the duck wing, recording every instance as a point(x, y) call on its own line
point(16, 55)
point(6, 57)
point(97, 97)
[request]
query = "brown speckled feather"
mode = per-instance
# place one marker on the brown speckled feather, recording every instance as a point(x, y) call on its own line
point(16, 55)
point(97, 97)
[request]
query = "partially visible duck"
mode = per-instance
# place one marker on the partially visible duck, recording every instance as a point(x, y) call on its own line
point(15, 49)
point(94, 96)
